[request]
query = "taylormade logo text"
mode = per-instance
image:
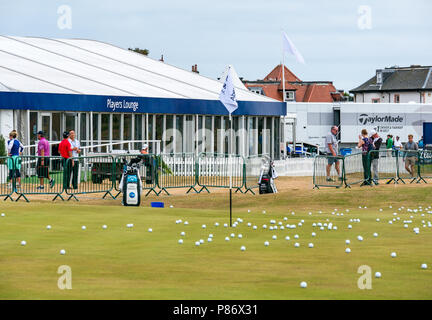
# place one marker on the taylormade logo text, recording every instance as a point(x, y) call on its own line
point(366, 119)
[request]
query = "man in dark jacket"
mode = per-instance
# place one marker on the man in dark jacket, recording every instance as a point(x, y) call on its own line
point(374, 155)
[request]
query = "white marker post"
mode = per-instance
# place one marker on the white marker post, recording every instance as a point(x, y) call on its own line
point(228, 98)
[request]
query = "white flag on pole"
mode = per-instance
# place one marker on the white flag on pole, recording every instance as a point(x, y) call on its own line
point(227, 95)
point(289, 46)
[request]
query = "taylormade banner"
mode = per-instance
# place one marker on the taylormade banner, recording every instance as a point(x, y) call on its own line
point(395, 119)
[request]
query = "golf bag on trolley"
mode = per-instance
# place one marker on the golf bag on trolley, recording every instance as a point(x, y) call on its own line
point(130, 184)
point(266, 180)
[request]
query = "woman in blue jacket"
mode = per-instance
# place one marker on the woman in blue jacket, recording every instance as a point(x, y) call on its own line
point(15, 149)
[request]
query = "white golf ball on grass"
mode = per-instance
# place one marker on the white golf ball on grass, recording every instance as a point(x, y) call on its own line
point(347, 242)
point(377, 274)
point(311, 245)
point(227, 238)
point(23, 243)
point(347, 250)
point(48, 227)
point(266, 243)
point(274, 237)
point(424, 266)
point(150, 230)
point(3, 215)
point(201, 241)
point(297, 245)
point(83, 227)
point(197, 243)
point(243, 248)
point(104, 227)
point(180, 241)
point(62, 252)
point(393, 255)
point(303, 284)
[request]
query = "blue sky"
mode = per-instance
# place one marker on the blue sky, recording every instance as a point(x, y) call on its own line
point(246, 34)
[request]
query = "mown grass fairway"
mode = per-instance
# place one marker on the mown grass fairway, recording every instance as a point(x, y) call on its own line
point(122, 263)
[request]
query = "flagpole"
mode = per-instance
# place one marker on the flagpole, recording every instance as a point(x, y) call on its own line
point(283, 74)
point(230, 166)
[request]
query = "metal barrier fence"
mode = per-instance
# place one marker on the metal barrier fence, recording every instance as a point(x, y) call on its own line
point(356, 169)
point(378, 165)
point(383, 166)
point(253, 167)
point(214, 170)
point(425, 166)
point(176, 170)
point(7, 174)
point(147, 171)
point(408, 160)
point(328, 171)
point(33, 175)
point(38, 175)
point(85, 175)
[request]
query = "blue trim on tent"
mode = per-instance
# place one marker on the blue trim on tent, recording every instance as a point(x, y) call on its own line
point(97, 103)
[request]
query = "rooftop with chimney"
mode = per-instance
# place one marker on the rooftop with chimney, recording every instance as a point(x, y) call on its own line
point(295, 89)
point(412, 78)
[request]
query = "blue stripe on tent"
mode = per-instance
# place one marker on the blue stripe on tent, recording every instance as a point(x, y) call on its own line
point(97, 103)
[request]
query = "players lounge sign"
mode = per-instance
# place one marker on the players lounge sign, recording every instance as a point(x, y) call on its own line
point(382, 123)
point(125, 105)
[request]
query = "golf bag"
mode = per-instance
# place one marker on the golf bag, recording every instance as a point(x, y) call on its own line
point(130, 184)
point(266, 180)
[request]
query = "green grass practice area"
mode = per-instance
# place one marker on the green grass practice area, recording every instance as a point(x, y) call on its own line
point(133, 263)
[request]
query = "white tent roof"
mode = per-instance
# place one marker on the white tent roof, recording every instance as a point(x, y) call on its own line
point(236, 80)
point(79, 66)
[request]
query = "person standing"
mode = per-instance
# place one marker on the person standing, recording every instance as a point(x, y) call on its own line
point(365, 145)
point(411, 155)
point(397, 145)
point(421, 143)
point(15, 149)
point(75, 146)
point(42, 167)
point(332, 149)
point(376, 141)
point(389, 144)
point(65, 150)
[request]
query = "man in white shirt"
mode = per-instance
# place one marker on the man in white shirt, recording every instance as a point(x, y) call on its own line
point(397, 144)
point(332, 149)
point(75, 145)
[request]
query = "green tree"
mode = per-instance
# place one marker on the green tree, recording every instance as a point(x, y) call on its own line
point(141, 51)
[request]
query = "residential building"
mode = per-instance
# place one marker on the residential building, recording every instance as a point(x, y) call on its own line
point(397, 85)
